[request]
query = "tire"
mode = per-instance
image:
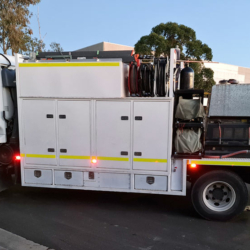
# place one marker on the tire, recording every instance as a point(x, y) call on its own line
point(219, 195)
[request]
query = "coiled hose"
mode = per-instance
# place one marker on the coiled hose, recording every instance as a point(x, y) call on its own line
point(146, 80)
point(160, 79)
point(133, 80)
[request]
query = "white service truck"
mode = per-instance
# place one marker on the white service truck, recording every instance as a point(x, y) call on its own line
point(131, 125)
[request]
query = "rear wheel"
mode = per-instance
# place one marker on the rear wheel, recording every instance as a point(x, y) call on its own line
point(219, 195)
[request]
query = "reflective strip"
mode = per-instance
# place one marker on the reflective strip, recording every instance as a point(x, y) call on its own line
point(40, 156)
point(66, 64)
point(103, 158)
point(78, 157)
point(150, 160)
point(22, 155)
point(221, 163)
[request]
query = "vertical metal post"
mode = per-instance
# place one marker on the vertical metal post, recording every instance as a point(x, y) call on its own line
point(181, 67)
point(171, 77)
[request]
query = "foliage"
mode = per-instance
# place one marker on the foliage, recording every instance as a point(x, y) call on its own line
point(204, 77)
point(165, 36)
point(14, 20)
point(35, 44)
point(56, 47)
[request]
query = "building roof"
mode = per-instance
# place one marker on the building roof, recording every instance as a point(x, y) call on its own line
point(106, 46)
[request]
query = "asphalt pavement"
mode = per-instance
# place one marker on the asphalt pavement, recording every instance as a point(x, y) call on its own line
point(90, 220)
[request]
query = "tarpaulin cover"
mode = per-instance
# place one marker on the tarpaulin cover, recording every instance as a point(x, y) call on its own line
point(188, 109)
point(187, 141)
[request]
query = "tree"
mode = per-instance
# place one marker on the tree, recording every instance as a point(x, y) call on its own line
point(204, 77)
point(14, 20)
point(35, 45)
point(56, 47)
point(165, 36)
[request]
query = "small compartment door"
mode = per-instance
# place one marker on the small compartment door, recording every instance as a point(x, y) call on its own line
point(74, 133)
point(68, 178)
point(39, 132)
point(150, 140)
point(113, 134)
point(38, 176)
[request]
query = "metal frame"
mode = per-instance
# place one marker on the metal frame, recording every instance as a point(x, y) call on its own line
point(125, 55)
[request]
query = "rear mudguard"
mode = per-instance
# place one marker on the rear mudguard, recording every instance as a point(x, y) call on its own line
point(6, 178)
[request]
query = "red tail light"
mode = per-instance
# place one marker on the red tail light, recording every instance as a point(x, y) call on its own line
point(193, 165)
point(17, 157)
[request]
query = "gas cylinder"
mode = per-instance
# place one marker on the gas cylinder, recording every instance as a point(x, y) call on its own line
point(187, 78)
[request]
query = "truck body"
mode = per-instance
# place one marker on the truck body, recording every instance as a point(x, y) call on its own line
point(79, 127)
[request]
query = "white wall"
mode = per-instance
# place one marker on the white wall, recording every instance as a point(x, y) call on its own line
point(225, 71)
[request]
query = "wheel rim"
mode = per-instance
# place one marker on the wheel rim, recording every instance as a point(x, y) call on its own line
point(219, 196)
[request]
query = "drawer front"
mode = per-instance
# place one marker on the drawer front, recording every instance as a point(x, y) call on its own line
point(151, 182)
point(38, 176)
point(69, 178)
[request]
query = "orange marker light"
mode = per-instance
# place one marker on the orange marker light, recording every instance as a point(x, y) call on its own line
point(94, 161)
point(17, 157)
point(193, 165)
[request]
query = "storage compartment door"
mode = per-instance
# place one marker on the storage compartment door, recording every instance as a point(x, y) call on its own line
point(114, 180)
point(38, 176)
point(74, 133)
point(113, 134)
point(151, 129)
point(39, 131)
point(69, 178)
point(177, 175)
point(151, 182)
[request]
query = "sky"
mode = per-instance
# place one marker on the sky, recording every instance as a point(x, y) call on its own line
point(224, 25)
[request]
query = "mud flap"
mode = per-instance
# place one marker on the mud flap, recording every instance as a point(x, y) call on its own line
point(5, 179)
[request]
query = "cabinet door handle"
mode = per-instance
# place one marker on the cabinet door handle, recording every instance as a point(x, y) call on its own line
point(51, 150)
point(150, 180)
point(63, 150)
point(91, 175)
point(37, 173)
point(62, 116)
point(124, 153)
point(68, 175)
point(49, 116)
point(137, 154)
point(124, 118)
point(138, 118)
